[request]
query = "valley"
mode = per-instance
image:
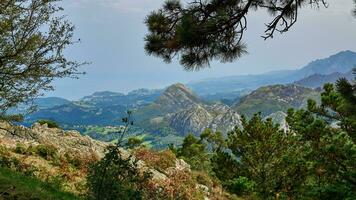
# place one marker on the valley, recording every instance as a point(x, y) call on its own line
point(165, 116)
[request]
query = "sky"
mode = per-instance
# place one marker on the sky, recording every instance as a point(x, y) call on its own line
point(112, 32)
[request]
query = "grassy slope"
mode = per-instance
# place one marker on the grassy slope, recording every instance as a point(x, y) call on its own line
point(14, 185)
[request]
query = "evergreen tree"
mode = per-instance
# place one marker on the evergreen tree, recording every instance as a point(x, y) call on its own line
point(268, 157)
point(205, 30)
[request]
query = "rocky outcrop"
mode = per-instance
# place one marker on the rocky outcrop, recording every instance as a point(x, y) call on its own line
point(177, 97)
point(226, 121)
point(193, 120)
point(280, 119)
point(64, 141)
point(217, 117)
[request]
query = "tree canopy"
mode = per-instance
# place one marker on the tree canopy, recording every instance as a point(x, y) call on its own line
point(202, 31)
point(33, 37)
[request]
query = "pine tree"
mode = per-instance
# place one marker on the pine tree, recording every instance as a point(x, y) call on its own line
point(205, 30)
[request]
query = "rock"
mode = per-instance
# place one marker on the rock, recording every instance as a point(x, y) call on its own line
point(279, 118)
point(193, 120)
point(182, 165)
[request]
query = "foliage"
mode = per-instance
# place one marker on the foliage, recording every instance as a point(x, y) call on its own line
point(33, 37)
point(240, 185)
point(115, 177)
point(20, 149)
point(14, 185)
point(194, 151)
point(159, 160)
point(134, 142)
point(338, 104)
point(50, 123)
point(47, 152)
point(212, 29)
point(315, 159)
point(180, 185)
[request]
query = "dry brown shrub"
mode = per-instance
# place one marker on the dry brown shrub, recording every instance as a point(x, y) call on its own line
point(159, 160)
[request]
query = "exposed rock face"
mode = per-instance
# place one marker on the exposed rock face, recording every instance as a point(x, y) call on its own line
point(279, 118)
point(217, 117)
point(193, 120)
point(226, 122)
point(64, 141)
point(178, 97)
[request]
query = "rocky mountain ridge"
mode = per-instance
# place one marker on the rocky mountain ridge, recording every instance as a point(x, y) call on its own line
point(16, 142)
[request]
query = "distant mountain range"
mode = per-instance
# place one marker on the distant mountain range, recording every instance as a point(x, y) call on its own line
point(318, 80)
point(274, 98)
point(166, 116)
point(342, 62)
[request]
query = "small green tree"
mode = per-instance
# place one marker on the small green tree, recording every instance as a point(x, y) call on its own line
point(194, 152)
point(116, 176)
point(266, 156)
point(338, 104)
point(133, 142)
point(50, 123)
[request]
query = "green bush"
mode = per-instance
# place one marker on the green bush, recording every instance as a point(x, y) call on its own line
point(50, 123)
point(115, 177)
point(20, 149)
point(5, 160)
point(47, 152)
point(240, 185)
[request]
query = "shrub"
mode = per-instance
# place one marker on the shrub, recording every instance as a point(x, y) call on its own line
point(115, 177)
point(203, 178)
point(50, 123)
point(158, 160)
point(20, 149)
point(79, 161)
point(240, 185)
point(47, 152)
point(180, 185)
point(134, 142)
point(5, 160)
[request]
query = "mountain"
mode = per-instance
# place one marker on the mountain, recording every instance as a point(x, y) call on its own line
point(100, 108)
point(43, 103)
point(181, 111)
point(318, 80)
point(72, 114)
point(134, 98)
point(177, 97)
point(270, 99)
point(342, 62)
point(40, 103)
point(192, 120)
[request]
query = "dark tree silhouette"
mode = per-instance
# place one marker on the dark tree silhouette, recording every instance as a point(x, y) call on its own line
point(205, 30)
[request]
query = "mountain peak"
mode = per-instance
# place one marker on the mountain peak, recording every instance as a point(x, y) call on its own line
point(178, 96)
point(341, 62)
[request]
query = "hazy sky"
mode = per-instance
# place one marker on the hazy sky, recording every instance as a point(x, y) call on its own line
point(112, 33)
